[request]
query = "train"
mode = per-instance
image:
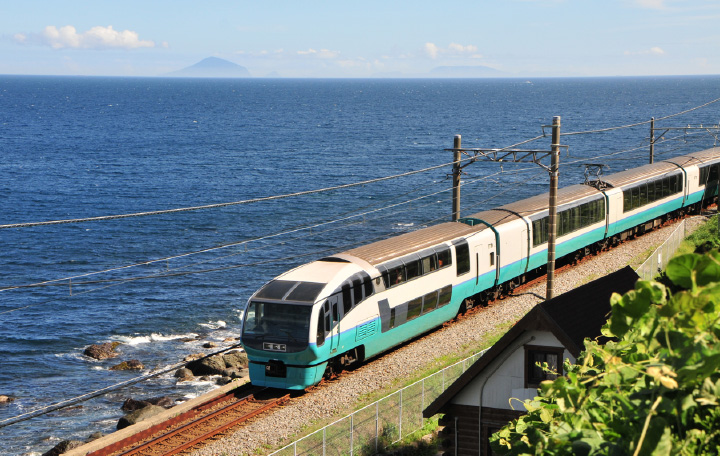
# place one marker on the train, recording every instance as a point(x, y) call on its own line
point(340, 310)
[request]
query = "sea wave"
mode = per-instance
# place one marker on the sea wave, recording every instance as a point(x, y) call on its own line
point(137, 340)
point(214, 324)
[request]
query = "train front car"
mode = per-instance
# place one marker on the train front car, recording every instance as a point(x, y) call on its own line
point(282, 348)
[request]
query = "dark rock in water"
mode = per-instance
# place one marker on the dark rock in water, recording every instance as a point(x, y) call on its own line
point(223, 380)
point(63, 447)
point(130, 405)
point(235, 359)
point(133, 364)
point(193, 357)
point(102, 351)
point(139, 415)
point(213, 365)
point(210, 345)
point(184, 374)
point(94, 436)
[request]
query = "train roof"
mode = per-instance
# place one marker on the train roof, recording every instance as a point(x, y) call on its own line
point(394, 247)
point(535, 204)
point(696, 158)
point(639, 174)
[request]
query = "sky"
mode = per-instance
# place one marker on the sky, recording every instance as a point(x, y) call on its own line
point(359, 39)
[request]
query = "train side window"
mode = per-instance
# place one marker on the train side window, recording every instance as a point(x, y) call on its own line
point(412, 269)
point(462, 253)
point(430, 301)
point(444, 258)
point(335, 312)
point(414, 308)
point(347, 303)
point(445, 295)
point(357, 292)
point(368, 287)
point(651, 192)
point(396, 276)
point(642, 190)
point(540, 231)
point(392, 318)
point(320, 335)
point(429, 264)
point(492, 258)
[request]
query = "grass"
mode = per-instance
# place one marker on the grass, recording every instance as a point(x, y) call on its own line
point(704, 238)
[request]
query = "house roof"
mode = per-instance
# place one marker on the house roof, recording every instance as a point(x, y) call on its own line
point(571, 317)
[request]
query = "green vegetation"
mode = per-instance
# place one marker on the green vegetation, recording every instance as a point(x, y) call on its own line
point(704, 239)
point(653, 389)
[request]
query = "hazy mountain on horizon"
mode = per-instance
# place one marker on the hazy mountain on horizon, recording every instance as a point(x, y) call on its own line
point(212, 67)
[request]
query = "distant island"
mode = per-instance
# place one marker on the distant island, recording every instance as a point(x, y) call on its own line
point(212, 67)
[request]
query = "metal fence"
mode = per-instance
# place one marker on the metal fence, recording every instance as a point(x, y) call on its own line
point(660, 257)
point(368, 430)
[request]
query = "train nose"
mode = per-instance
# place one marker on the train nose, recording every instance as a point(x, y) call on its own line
point(275, 368)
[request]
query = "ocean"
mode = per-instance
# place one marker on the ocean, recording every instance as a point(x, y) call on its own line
point(79, 147)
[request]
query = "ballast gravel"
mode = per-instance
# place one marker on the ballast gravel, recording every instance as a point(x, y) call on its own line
point(335, 399)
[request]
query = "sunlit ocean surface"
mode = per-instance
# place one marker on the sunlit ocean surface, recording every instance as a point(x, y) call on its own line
point(74, 147)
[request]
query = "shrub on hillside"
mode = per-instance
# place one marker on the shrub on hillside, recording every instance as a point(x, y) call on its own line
point(653, 389)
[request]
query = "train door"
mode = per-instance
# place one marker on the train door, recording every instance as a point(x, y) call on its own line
point(524, 249)
point(334, 323)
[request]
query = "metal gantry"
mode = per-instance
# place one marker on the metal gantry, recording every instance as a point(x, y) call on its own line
point(517, 156)
point(713, 130)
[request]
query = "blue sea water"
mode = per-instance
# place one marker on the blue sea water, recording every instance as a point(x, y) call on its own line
point(74, 147)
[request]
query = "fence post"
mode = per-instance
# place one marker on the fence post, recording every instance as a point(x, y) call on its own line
point(352, 434)
point(401, 420)
point(377, 425)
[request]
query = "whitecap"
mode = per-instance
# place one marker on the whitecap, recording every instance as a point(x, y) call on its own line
point(154, 337)
point(214, 324)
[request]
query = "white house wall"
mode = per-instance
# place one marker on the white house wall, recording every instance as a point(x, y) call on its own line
point(509, 376)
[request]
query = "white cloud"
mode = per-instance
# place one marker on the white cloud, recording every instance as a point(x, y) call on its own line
point(453, 50)
point(432, 50)
point(98, 37)
point(321, 54)
point(655, 50)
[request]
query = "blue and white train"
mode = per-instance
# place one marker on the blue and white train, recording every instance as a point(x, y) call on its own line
point(345, 308)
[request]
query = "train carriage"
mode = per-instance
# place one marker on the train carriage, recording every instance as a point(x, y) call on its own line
point(343, 309)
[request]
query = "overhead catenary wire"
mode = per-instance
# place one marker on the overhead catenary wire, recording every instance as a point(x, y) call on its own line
point(61, 281)
point(637, 124)
point(219, 205)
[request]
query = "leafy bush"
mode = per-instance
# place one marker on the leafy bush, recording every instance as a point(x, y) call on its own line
point(653, 389)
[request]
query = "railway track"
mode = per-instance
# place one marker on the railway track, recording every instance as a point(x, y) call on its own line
point(196, 426)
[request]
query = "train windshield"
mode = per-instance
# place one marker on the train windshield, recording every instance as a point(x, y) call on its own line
point(272, 322)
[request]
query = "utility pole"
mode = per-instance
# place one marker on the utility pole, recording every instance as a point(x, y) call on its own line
point(652, 140)
point(552, 206)
point(518, 156)
point(456, 178)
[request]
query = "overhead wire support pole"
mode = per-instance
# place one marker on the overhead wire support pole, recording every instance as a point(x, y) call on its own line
point(508, 155)
point(652, 140)
point(552, 207)
point(457, 169)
